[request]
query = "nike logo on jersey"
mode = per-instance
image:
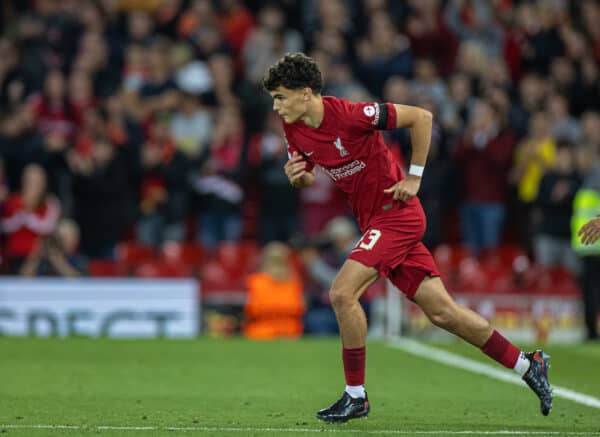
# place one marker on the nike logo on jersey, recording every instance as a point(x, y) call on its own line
point(308, 153)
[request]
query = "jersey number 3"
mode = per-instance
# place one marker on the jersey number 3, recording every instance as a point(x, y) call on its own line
point(369, 240)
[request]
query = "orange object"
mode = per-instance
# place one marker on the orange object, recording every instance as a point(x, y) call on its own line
point(274, 308)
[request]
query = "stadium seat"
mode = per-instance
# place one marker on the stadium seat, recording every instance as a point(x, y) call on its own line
point(131, 254)
point(188, 254)
point(216, 279)
point(555, 280)
point(498, 277)
point(159, 269)
point(238, 258)
point(471, 277)
point(503, 255)
point(448, 259)
point(105, 268)
point(450, 255)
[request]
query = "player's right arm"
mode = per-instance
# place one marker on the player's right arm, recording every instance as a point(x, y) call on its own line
point(297, 173)
point(420, 123)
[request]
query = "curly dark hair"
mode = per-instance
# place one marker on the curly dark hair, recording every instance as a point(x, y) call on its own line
point(294, 71)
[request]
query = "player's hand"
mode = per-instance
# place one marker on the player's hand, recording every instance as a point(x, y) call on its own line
point(590, 232)
point(406, 189)
point(295, 169)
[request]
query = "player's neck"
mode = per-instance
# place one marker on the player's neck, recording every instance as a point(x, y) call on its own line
point(313, 117)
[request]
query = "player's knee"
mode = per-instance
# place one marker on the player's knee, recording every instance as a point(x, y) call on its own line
point(444, 318)
point(340, 297)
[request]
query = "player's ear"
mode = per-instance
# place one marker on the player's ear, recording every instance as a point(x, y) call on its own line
point(307, 94)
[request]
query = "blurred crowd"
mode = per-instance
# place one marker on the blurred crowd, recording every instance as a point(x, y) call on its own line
point(146, 121)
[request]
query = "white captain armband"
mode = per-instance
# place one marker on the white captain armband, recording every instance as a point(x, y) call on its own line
point(416, 170)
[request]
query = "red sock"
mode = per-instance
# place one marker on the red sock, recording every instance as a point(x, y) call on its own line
point(500, 349)
point(354, 365)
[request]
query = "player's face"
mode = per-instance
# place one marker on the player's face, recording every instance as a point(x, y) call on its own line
point(291, 105)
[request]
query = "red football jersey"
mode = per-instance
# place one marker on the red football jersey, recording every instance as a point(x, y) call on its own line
point(350, 148)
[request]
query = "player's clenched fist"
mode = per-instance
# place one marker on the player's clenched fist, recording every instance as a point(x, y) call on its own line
point(590, 232)
point(295, 169)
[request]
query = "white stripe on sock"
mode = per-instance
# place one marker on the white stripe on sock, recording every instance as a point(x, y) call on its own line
point(522, 365)
point(356, 391)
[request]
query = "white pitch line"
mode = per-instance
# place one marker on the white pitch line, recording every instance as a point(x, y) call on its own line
point(327, 429)
point(455, 360)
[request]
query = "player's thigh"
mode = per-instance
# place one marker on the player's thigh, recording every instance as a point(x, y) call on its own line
point(352, 280)
point(433, 298)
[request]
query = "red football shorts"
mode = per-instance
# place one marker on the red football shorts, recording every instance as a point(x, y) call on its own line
point(392, 245)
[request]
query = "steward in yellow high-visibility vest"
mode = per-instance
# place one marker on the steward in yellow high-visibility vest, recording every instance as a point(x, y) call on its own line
point(586, 207)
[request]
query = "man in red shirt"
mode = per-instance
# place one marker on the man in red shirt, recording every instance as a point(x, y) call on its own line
point(344, 139)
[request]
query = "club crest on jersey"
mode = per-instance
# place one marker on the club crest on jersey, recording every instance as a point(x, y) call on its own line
point(338, 145)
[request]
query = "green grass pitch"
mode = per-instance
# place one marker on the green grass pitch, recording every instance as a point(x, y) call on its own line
point(235, 387)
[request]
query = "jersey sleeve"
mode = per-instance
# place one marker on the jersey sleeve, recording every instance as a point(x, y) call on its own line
point(367, 117)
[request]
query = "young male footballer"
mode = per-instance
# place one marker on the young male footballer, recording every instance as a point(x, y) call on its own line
point(343, 138)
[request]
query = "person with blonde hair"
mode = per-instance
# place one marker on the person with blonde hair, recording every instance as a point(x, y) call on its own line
point(275, 304)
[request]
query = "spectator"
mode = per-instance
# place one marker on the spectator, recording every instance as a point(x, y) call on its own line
point(13, 85)
point(341, 82)
point(341, 236)
point(54, 115)
point(542, 40)
point(383, 53)
point(218, 185)
point(231, 91)
point(428, 83)
point(268, 42)
point(430, 35)
point(140, 27)
point(586, 206)
point(460, 103)
point(484, 154)
point(275, 304)
point(552, 241)
point(437, 191)
point(28, 217)
point(532, 96)
point(81, 95)
point(588, 148)
point(199, 15)
point(135, 71)
point(533, 156)
point(57, 254)
point(237, 23)
point(100, 197)
point(164, 201)
point(191, 126)
point(564, 125)
point(159, 91)
point(278, 200)
point(475, 22)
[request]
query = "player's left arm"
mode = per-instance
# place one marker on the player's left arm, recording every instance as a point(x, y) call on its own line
point(419, 121)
